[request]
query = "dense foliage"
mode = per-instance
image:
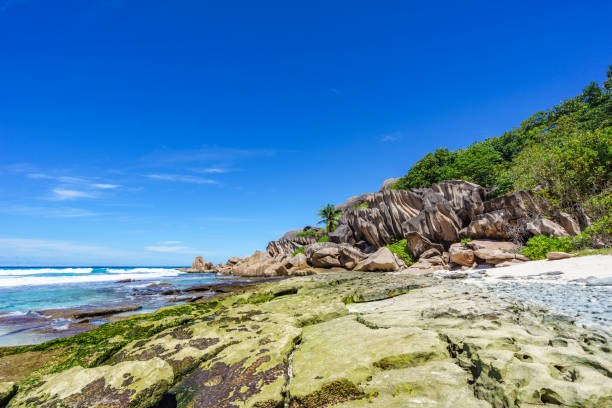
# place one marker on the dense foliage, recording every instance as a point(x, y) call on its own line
point(537, 247)
point(566, 151)
point(400, 248)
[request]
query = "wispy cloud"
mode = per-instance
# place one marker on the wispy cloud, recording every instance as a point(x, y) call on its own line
point(20, 168)
point(166, 248)
point(216, 154)
point(211, 170)
point(182, 178)
point(170, 242)
point(66, 194)
point(37, 247)
point(229, 219)
point(47, 212)
point(176, 249)
point(106, 186)
point(392, 137)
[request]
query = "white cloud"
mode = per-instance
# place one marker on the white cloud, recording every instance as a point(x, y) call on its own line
point(216, 154)
point(230, 219)
point(173, 249)
point(40, 247)
point(170, 242)
point(106, 186)
point(215, 170)
point(182, 178)
point(66, 194)
point(47, 212)
point(393, 137)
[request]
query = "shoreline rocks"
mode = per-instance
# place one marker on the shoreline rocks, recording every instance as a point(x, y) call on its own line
point(345, 339)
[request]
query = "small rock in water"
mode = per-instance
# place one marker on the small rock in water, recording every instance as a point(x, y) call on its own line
point(599, 282)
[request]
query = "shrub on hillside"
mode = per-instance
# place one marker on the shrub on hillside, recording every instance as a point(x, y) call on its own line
point(400, 248)
point(537, 247)
point(300, 250)
point(324, 238)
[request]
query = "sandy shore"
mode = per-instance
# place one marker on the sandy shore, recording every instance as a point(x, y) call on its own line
point(572, 269)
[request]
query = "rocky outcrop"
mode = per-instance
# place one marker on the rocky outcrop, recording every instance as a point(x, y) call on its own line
point(543, 226)
point(259, 264)
point(386, 185)
point(436, 214)
point(199, 265)
point(329, 255)
point(382, 260)
point(290, 241)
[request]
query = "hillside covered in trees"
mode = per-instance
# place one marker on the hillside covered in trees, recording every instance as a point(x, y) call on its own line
point(565, 153)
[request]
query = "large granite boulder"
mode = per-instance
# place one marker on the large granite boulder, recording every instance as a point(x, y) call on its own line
point(329, 255)
point(259, 264)
point(461, 254)
point(543, 226)
point(382, 260)
point(496, 252)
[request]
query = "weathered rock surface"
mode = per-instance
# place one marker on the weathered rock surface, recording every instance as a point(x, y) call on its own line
point(461, 254)
point(329, 255)
point(386, 185)
point(554, 255)
point(495, 252)
point(290, 241)
point(199, 265)
point(382, 260)
point(345, 339)
point(259, 264)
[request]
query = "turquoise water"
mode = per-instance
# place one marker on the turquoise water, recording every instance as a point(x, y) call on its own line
point(32, 299)
point(25, 289)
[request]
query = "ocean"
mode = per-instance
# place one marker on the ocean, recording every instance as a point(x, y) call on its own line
point(32, 298)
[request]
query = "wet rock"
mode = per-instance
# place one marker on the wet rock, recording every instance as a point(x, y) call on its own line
point(105, 311)
point(105, 386)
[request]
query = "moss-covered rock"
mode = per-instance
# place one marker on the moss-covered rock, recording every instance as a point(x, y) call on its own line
point(342, 339)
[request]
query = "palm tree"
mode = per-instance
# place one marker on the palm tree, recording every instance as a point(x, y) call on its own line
point(330, 216)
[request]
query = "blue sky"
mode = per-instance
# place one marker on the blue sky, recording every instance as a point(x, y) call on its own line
point(148, 132)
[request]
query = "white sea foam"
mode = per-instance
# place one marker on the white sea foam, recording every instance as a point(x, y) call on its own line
point(84, 278)
point(141, 270)
point(21, 272)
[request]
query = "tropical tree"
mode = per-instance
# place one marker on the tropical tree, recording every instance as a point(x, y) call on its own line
point(329, 216)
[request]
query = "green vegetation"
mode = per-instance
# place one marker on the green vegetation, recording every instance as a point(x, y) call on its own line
point(324, 238)
point(400, 248)
point(591, 251)
point(309, 233)
point(566, 151)
point(466, 240)
point(329, 216)
point(362, 205)
point(538, 247)
point(300, 250)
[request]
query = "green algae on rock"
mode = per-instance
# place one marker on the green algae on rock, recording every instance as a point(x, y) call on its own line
point(400, 341)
